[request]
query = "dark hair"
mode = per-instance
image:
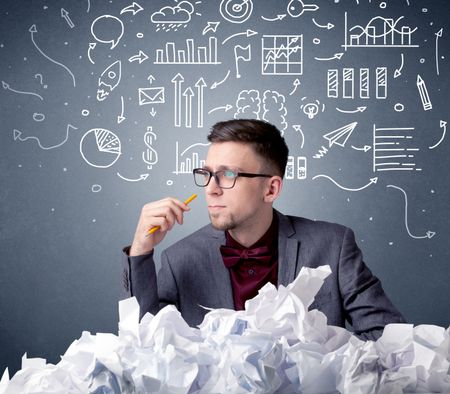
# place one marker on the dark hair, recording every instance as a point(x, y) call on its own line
point(264, 137)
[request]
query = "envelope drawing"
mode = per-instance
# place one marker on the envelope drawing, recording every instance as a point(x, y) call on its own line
point(151, 96)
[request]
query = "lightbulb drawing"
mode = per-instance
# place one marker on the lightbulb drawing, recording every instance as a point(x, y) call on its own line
point(312, 109)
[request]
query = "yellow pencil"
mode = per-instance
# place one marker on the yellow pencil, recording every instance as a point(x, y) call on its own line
point(154, 228)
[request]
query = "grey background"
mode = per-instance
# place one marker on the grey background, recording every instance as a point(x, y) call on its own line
point(61, 241)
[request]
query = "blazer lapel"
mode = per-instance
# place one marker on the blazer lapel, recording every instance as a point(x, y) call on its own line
point(287, 251)
point(220, 285)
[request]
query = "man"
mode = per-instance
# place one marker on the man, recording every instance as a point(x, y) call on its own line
point(248, 243)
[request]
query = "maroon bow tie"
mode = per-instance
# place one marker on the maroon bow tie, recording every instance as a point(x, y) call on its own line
point(232, 256)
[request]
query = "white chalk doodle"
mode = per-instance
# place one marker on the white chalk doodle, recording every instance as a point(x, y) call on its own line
point(41, 80)
point(242, 53)
point(296, 8)
point(378, 32)
point(311, 109)
point(17, 134)
point(121, 117)
point(296, 84)
point(336, 56)
point(336, 137)
point(372, 181)
point(171, 18)
point(134, 8)
point(189, 159)
point(282, 54)
point(109, 79)
point(429, 234)
point(66, 17)
point(200, 85)
point(96, 188)
point(6, 86)
point(275, 110)
point(298, 128)
point(398, 71)
point(279, 17)
point(150, 155)
point(392, 149)
point(248, 104)
point(226, 108)
point(92, 46)
point(443, 126)
point(210, 27)
point(328, 26)
point(38, 117)
point(151, 96)
point(142, 177)
point(438, 35)
point(140, 57)
point(177, 80)
point(247, 33)
point(107, 29)
point(423, 92)
point(292, 165)
point(192, 54)
point(236, 11)
point(33, 30)
point(215, 84)
point(352, 111)
point(364, 149)
point(100, 148)
point(399, 107)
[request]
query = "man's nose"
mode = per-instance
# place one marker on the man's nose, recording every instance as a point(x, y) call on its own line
point(213, 186)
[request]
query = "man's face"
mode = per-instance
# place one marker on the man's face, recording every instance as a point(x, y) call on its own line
point(241, 206)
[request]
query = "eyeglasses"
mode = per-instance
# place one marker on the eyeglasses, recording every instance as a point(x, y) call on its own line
point(225, 179)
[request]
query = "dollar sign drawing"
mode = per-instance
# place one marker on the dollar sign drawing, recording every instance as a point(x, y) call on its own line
point(150, 156)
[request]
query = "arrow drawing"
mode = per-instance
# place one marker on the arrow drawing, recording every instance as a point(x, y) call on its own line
point(121, 118)
point(142, 177)
point(429, 234)
point(371, 182)
point(92, 45)
point(248, 33)
point(33, 30)
point(134, 8)
point(298, 128)
point(398, 71)
point(335, 56)
point(18, 136)
point(65, 15)
point(211, 26)
point(200, 85)
point(365, 148)
point(277, 18)
point(296, 84)
point(226, 108)
point(140, 57)
point(215, 84)
point(353, 111)
point(438, 35)
point(442, 125)
point(6, 86)
point(188, 94)
point(177, 80)
point(328, 26)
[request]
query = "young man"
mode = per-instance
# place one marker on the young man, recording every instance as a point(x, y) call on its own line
point(248, 243)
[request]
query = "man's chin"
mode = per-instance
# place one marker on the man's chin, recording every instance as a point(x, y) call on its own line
point(219, 224)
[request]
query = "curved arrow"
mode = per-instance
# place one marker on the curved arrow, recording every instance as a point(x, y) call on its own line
point(226, 108)
point(398, 71)
point(365, 148)
point(328, 26)
point(33, 30)
point(335, 56)
point(121, 118)
point(140, 57)
point(438, 34)
point(443, 125)
point(7, 87)
point(18, 136)
point(296, 84)
point(277, 18)
point(134, 8)
point(429, 234)
point(248, 33)
point(92, 45)
point(143, 177)
point(215, 84)
point(372, 181)
point(298, 128)
point(358, 109)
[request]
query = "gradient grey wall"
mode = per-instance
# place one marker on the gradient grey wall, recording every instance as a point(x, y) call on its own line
point(64, 219)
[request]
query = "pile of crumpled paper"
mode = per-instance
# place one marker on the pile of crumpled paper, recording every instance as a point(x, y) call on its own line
point(275, 346)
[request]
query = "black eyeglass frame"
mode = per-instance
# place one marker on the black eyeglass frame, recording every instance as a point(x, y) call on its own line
point(216, 178)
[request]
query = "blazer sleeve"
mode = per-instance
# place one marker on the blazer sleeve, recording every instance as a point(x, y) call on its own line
point(367, 307)
point(139, 280)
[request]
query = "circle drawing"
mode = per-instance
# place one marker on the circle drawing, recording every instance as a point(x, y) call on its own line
point(100, 148)
point(236, 11)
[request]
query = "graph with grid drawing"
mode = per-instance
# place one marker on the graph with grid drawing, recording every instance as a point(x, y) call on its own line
point(282, 55)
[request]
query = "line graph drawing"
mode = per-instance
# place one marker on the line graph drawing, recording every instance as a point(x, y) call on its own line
point(282, 54)
point(372, 181)
point(378, 32)
point(17, 135)
point(392, 149)
point(190, 55)
point(6, 86)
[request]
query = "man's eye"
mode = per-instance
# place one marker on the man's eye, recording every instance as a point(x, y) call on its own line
point(229, 174)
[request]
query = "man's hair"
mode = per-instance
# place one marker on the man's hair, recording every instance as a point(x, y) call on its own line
point(264, 137)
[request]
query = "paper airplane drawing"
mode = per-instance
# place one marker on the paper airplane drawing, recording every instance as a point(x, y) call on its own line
point(340, 135)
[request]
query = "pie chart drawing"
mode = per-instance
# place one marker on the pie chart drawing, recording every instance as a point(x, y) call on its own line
point(100, 148)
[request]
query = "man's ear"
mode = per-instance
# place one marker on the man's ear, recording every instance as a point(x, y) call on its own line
point(273, 188)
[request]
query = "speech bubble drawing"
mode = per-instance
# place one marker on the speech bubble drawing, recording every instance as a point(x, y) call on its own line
point(107, 29)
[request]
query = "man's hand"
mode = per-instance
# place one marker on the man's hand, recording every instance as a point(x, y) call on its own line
point(163, 213)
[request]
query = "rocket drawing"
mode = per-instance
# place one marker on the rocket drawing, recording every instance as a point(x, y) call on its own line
point(109, 79)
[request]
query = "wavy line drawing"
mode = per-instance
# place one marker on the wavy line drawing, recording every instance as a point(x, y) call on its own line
point(33, 30)
point(429, 234)
point(17, 134)
point(6, 86)
point(371, 182)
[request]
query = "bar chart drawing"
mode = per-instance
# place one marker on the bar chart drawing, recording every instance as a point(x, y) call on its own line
point(189, 159)
point(190, 54)
point(350, 82)
point(379, 32)
point(282, 55)
point(393, 149)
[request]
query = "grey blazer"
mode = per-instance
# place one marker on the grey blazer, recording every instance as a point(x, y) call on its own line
point(193, 275)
